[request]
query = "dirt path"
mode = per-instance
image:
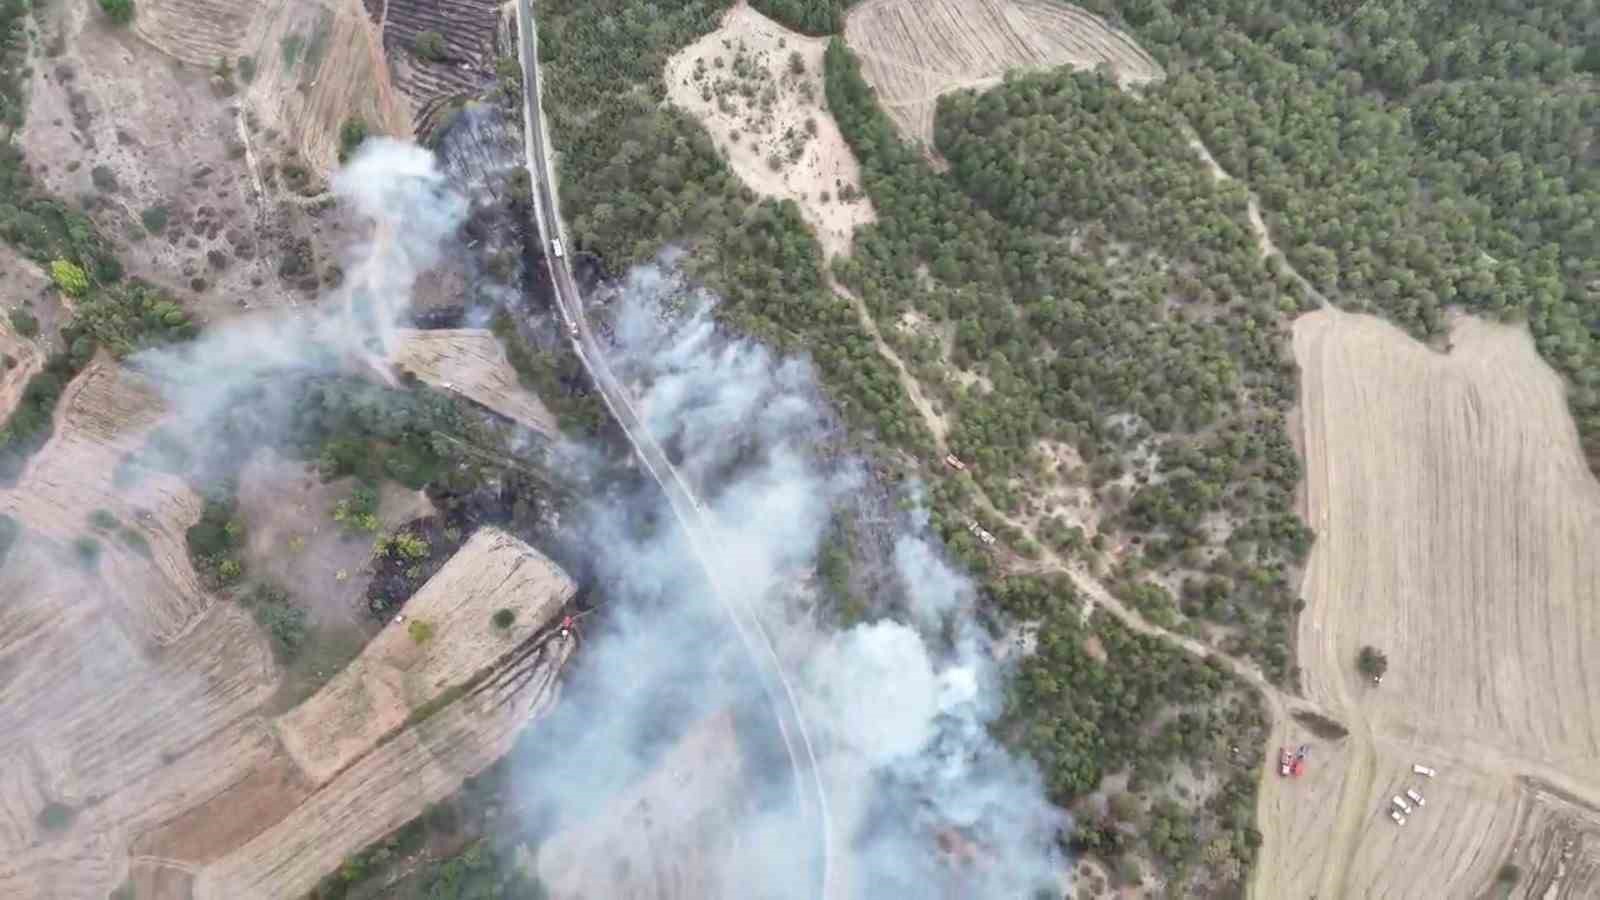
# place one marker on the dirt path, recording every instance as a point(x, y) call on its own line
point(1269, 248)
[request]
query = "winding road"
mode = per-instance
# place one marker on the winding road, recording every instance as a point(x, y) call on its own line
point(699, 530)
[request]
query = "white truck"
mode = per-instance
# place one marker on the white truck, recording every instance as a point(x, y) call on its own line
point(1404, 806)
point(1421, 769)
point(1416, 797)
point(555, 247)
point(1398, 819)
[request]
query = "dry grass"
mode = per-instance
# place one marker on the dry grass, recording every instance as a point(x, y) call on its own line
point(753, 133)
point(1455, 516)
point(470, 361)
point(913, 51)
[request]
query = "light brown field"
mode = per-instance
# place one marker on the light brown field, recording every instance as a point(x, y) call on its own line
point(1456, 523)
point(824, 167)
point(914, 51)
point(470, 361)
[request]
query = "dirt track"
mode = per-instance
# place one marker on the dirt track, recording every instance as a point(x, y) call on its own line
point(1455, 522)
point(913, 51)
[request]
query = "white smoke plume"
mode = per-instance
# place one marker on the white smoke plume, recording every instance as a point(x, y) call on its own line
point(399, 194)
point(924, 802)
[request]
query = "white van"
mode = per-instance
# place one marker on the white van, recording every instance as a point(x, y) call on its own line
point(1421, 769)
point(1395, 815)
point(1416, 797)
point(1404, 806)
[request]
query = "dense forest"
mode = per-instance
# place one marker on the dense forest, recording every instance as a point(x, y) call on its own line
point(1412, 156)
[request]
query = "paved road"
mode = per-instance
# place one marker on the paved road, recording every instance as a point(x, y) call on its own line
point(691, 515)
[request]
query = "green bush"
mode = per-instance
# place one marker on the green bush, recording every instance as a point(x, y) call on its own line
point(421, 631)
point(155, 218)
point(87, 550)
point(351, 134)
point(118, 11)
point(10, 531)
point(69, 277)
point(503, 618)
point(247, 69)
point(25, 323)
point(56, 816)
point(430, 46)
point(104, 179)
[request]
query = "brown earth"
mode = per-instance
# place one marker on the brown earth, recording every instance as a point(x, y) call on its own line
point(1455, 520)
point(657, 837)
point(471, 362)
point(701, 80)
point(914, 51)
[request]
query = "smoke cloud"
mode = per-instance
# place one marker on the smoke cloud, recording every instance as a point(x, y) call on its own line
point(924, 802)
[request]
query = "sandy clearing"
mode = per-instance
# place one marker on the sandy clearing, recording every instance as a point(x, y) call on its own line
point(701, 79)
point(471, 362)
point(394, 675)
point(1455, 520)
point(656, 838)
point(914, 51)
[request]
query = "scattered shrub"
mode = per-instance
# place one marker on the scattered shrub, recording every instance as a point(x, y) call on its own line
point(69, 277)
point(154, 218)
point(104, 179)
point(351, 134)
point(503, 618)
point(118, 11)
point(25, 323)
point(87, 550)
point(247, 69)
point(420, 631)
point(56, 816)
point(430, 46)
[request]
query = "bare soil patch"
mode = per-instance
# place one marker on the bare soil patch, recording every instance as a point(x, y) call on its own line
point(1455, 520)
point(914, 51)
point(771, 121)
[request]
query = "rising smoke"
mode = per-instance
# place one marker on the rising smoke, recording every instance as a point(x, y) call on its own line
point(925, 803)
point(397, 191)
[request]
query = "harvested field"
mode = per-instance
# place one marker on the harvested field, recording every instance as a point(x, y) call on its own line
point(914, 51)
point(471, 362)
point(397, 674)
point(373, 770)
point(657, 837)
point(470, 30)
point(771, 122)
point(131, 701)
point(1456, 521)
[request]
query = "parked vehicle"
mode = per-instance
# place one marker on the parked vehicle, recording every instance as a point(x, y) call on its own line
point(1421, 769)
point(1404, 806)
point(1416, 797)
point(1395, 815)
